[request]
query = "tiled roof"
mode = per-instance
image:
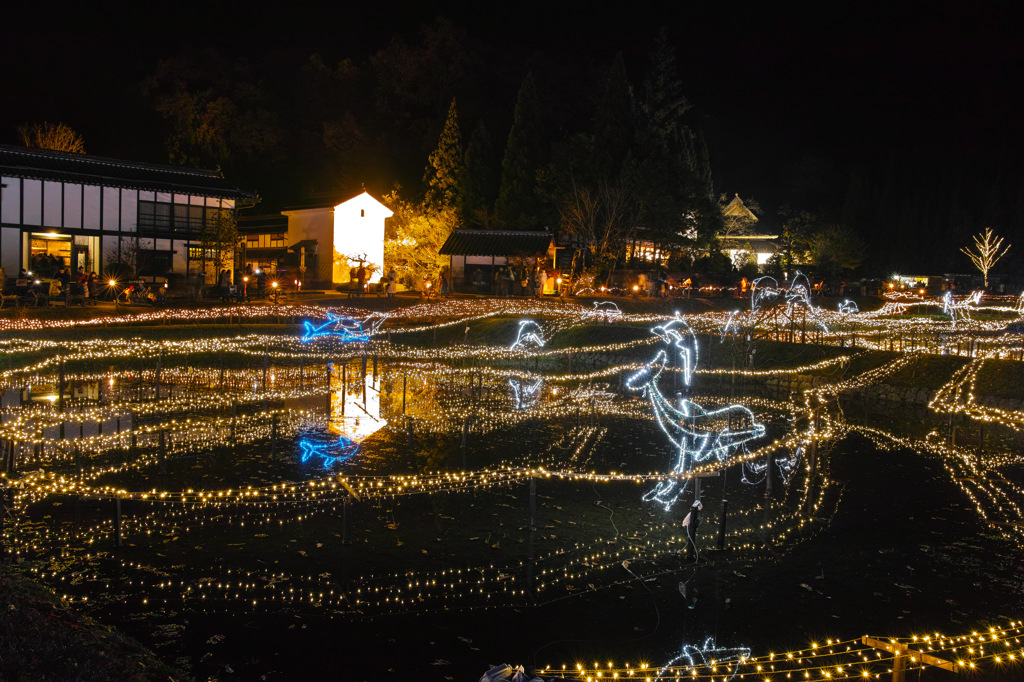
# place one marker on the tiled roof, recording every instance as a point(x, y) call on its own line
point(495, 243)
point(43, 164)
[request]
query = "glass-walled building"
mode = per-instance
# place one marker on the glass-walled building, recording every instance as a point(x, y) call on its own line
point(75, 210)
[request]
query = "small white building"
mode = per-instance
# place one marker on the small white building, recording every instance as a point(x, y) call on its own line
point(346, 234)
point(88, 211)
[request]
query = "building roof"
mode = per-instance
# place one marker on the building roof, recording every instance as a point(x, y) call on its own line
point(737, 209)
point(43, 164)
point(495, 243)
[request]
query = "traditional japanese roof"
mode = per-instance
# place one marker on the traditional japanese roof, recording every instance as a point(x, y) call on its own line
point(43, 164)
point(495, 243)
point(737, 209)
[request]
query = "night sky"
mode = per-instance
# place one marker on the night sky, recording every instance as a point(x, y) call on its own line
point(845, 82)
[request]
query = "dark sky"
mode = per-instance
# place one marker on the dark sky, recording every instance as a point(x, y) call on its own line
point(769, 84)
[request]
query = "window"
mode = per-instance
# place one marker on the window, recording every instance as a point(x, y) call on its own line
point(155, 262)
point(196, 253)
point(277, 239)
point(156, 216)
point(252, 241)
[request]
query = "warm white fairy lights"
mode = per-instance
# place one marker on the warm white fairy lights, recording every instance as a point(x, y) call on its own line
point(998, 649)
point(242, 394)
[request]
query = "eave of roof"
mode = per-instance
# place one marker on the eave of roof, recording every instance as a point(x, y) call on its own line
point(44, 164)
point(495, 243)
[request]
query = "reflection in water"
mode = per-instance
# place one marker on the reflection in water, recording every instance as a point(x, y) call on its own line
point(328, 454)
point(525, 395)
point(725, 660)
point(355, 407)
point(343, 328)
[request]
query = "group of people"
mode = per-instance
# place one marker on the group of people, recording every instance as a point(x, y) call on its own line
point(62, 283)
point(442, 284)
point(248, 282)
point(510, 280)
point(661, 284)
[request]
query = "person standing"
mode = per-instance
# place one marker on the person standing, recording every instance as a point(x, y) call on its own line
point(361, 276)
point(542, 280)
point(392, 282)
point(690, 525)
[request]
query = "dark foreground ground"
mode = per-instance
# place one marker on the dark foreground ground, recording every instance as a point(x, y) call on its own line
point(903, 554)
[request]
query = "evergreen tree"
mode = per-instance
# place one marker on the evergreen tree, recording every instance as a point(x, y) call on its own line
point(480, 181)
point(518, 206)
point(613, 125)
point(663, 100)
point(443, 176)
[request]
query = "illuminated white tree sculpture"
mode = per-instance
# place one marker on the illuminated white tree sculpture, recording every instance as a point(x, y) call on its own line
point(988, 249)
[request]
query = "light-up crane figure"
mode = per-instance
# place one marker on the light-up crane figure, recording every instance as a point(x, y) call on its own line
point(698, 435)
point(960, 310)
point(773, 308)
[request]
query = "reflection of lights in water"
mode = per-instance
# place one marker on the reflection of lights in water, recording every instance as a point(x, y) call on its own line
point(358, 419)
point(724, 660)
point(530, 334)
point(343, 328)
point(525, 395)
point(328, 453)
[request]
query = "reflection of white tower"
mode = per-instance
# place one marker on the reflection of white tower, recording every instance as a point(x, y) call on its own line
point(359, 418)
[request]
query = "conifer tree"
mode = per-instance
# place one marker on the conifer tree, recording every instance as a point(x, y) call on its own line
point(517, 206)
point(480, 181)
point(444, 174)
point(613, 123)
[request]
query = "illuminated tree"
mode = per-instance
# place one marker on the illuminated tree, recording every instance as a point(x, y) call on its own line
point(218, 242)
point(988, 249)
point(413, 237)
point(55, 136)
